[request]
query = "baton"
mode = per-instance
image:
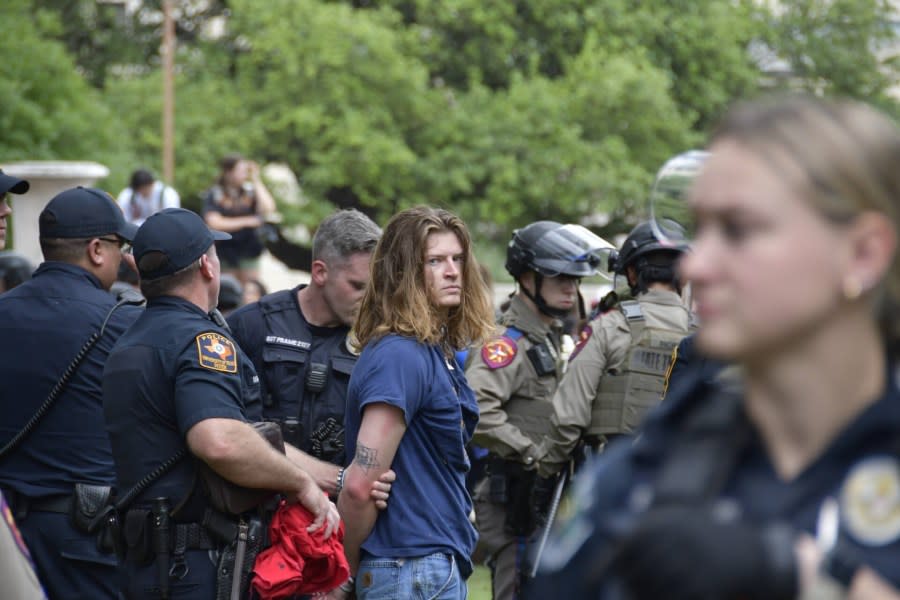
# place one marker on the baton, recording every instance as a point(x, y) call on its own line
point(551, 516)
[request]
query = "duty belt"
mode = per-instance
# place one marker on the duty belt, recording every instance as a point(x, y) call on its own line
point(21, 505)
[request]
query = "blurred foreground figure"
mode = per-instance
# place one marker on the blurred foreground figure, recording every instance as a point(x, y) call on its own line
point(795, 281)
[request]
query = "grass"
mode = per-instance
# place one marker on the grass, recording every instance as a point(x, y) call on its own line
point(480, 584)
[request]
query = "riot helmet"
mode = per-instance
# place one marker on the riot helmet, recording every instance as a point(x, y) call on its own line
point(670, 214)
point(653, 258)
point(15, 269)
point(550, 249)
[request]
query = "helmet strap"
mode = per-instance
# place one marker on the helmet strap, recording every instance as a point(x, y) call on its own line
point(539, 302)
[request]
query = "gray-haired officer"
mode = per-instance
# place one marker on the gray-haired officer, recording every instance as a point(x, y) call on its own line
point(176, 381)
point(57, 330)
point(514, 377)
point(617, 371)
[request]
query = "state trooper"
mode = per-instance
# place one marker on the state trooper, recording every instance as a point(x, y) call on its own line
point(514, 377)
point(298, 342)
point(617, 371)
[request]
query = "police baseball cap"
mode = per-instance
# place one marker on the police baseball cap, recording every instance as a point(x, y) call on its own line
point(84, 213)
point(11, 184)
point(179, 234)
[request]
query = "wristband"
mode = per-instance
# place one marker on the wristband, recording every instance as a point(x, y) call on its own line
point(349, 585)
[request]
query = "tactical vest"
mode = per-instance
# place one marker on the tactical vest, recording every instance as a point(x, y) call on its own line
point(628, 391)
point(305, 388)
point(531, 407)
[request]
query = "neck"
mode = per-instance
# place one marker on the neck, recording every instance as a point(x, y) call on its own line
point(315, 309)
point(801, 397)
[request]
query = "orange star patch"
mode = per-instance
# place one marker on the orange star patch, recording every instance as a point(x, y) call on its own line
point(499, 353)
point(216, 352)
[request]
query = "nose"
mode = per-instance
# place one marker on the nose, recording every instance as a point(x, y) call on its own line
point(452, 269)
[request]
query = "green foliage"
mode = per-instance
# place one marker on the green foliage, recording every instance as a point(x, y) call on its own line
point(48, 110)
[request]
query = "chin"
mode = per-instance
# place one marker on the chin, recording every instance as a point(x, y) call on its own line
point(719, 345)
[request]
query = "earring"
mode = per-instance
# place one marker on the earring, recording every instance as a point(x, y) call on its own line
point(853, 289)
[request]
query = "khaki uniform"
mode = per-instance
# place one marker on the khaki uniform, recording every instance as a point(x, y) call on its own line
point(514, 402)
point(581, 406)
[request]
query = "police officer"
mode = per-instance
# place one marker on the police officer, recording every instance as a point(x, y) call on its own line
point(618, 368)
point(297, 340)
point(514, 377)
point(8, 185)
point(177, 381)
point(57, 330)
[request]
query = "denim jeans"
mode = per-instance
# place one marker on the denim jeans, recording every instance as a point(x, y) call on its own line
point(431, 577)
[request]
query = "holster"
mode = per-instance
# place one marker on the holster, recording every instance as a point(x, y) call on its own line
point(93, 513)
point(237, 558)
point(233, 499)
point(520, 517)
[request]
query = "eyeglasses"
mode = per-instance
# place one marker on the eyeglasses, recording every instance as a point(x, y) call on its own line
point(124, 246)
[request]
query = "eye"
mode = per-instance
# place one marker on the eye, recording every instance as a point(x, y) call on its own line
point(459, 259)
point(433, 262)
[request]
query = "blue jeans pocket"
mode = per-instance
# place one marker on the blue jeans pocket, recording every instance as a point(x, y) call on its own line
point(432, 577)
point(379, 579)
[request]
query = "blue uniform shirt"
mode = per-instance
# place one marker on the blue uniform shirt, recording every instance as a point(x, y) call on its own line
point(429, 507)
point(43, 324)
point(860, 468)
point(174, 368)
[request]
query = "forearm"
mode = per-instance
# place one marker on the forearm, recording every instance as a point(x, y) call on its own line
point(231, 224)
point(235, 451)
point(359, 514)
point(323, 473)
point(265, 203)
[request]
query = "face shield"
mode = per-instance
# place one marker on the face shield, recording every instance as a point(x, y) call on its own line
point(572, 250)
point(670, 216)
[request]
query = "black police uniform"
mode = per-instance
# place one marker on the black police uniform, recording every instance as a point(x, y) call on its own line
point(304, 371)
point(691, 443)
point(44, 323)
point(174, 368)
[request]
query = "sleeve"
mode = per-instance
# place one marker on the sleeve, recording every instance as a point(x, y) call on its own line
point(397, 372)
point(210, 202)
point(170, 198)
point(573, 399)
point(124, 200)
point(493, 388)
point(208, 381)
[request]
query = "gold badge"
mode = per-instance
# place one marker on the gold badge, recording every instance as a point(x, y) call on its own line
point(216, 352)
point(870, 501)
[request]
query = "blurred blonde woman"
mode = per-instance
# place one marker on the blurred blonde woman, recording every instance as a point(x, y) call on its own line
point(782, 477)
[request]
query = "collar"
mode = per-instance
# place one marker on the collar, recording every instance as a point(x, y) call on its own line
point(176, 303)
point(665, 297)
point(68, 270)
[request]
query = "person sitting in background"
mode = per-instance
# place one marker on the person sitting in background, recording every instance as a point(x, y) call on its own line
point(144, 196)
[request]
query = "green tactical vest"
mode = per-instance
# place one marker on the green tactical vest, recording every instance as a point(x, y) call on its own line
point(628, 391)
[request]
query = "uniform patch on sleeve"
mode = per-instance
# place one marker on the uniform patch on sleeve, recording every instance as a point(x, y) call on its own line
point(583, 338)
point(499, 352)
point(216, 352)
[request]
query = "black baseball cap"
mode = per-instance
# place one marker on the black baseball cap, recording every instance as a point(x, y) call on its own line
point(181, 235)
point(11, 184)
point(84, 213)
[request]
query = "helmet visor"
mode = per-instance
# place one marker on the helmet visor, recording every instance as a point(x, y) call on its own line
point(573, 250)
point(670, 215)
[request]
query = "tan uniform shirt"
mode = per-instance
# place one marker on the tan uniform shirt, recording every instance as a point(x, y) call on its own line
point(513, 400)
point(605, 349)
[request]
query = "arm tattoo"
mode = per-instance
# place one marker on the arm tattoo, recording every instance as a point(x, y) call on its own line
point(366, 458)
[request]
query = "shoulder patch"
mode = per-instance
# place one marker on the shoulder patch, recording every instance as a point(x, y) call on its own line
point(870, 501)
point(499, 352)
point(583, 338)
point(216, 352)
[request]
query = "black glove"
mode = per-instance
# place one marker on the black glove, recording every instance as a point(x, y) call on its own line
point(690, 553)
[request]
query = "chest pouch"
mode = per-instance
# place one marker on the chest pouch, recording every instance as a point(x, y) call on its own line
point(316, 377)
point(542, 359)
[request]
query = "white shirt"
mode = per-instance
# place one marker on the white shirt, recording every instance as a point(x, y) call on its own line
point(137, 207)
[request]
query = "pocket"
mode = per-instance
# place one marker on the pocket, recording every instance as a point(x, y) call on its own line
point(379, 579)
point(284, 368)
point(434, 576)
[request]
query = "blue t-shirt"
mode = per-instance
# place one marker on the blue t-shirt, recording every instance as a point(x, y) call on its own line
point(429, 507)
point(860, 468)
point(43, 324)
